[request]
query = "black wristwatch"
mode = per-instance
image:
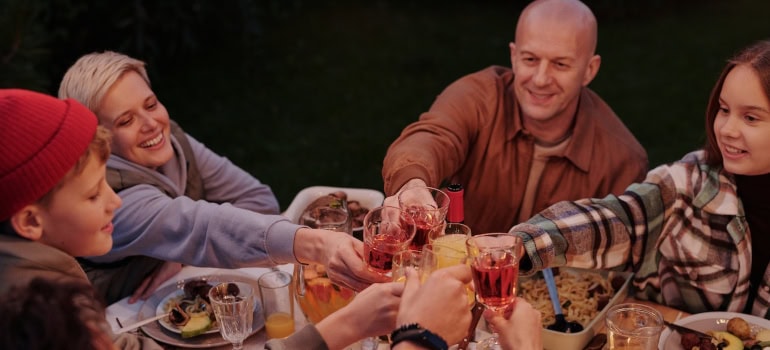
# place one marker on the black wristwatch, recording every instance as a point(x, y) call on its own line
point(414, 333)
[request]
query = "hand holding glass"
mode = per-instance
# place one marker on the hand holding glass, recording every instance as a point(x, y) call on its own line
point(495, 268)
point(387, 231)
point(428, 207)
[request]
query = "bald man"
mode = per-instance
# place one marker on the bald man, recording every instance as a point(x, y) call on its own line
point(522, 138)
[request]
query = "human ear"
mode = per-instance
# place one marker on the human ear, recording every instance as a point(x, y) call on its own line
point(26, 222)
point(592, 69)
point(512, 47)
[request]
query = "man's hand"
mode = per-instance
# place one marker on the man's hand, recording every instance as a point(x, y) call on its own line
point(440, 304)
point(393, 200)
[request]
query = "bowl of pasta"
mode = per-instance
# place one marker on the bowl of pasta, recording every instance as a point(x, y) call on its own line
point(585, 296)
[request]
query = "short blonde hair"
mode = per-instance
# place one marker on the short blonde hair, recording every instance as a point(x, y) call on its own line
point(92, 76)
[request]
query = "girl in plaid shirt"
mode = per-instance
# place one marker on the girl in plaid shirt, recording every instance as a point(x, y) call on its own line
point(696, 232)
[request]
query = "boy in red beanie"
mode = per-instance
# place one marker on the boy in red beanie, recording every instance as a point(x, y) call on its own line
point(56, 203)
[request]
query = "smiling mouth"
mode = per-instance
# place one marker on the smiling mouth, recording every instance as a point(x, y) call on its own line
point(733, 150)
point(153, 142)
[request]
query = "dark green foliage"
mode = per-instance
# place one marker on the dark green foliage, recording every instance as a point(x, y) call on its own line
point(303, 93)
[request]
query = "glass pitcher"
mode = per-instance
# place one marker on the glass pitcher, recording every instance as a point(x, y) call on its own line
point(316, 294)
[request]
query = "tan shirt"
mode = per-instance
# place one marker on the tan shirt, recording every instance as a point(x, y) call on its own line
point(473, 135)
point(539, 159)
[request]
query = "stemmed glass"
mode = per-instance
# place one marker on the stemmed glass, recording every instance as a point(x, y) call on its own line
point(233, 304)
point(428, 208)
point(495, 267)
point(387, 231)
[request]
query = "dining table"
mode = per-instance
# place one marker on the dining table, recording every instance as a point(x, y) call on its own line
point(123, 313)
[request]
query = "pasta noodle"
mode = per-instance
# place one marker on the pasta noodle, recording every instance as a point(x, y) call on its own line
point(583, 291)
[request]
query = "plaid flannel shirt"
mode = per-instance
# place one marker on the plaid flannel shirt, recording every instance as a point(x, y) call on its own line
point(683, 232)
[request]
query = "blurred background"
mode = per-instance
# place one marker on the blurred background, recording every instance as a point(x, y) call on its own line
point(303, 93)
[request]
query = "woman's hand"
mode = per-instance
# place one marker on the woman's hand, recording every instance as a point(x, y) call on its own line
point(371, 313)
point(340, 253)
point(520, 329)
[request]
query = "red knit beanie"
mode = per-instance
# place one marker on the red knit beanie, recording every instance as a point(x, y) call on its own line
point(42, 138)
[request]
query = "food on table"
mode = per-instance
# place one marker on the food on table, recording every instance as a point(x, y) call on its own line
point(583, 295)
point(191, 313)
point(726, 341)
point(197, 325)
point(739, 335)
point(316, 216)
point(691, 341)
point(739, 328)
point(763, 335)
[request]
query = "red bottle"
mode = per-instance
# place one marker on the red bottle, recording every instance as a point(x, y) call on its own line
point(456, 210)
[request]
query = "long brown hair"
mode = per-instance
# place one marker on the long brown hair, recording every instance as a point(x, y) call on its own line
point(757, 57)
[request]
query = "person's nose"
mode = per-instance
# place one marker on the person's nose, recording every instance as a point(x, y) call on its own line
point(542, 74)
point(114, 200)
point(148, 122)
point(730, 127)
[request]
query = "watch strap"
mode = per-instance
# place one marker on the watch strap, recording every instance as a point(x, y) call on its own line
point(415, 333)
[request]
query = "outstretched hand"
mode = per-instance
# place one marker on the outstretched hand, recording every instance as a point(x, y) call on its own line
point(440, 304)
point(371, 313)
point(518, 329)
point(340, 253)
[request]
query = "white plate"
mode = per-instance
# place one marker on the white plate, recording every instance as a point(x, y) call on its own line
point(707, 321)
point(161, 309)
point(367, 197)
point(163, 335)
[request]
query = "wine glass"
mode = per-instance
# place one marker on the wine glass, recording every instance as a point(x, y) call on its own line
point(404, 259)
point(441, 254)
point(387, 231)
point(233, 304)
point(428, 208)
point(494, 259)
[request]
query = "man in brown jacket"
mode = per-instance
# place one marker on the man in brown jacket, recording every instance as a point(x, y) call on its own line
point(524, 138)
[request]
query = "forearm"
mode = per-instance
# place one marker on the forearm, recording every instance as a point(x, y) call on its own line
point(197, 232)
point(310, 245)
point(336, 336)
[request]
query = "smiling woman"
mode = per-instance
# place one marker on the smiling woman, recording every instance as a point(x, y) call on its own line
point(138, 121)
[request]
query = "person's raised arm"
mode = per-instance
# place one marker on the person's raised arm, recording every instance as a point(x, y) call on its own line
point(440, 305)
point(371, 313)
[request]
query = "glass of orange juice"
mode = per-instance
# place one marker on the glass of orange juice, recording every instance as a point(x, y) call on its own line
point(277, 303)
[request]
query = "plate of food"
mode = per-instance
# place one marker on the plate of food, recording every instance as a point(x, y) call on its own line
point(736, 330)
point(585, 296)
point(358, 201)
point(188, 310)
point(200, 330)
